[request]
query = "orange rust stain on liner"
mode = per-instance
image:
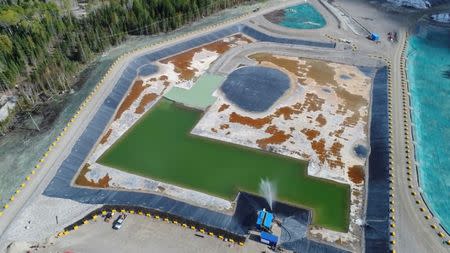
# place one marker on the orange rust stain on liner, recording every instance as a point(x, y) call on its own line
point(146, 99)
point(311, 134)
point(135, 92)
point(321, 120)
point(182, 62)
point(223, 107)
point(243, 120)
point(106, 136)
point(277, 137)
point(356, 174)
point(83, 181)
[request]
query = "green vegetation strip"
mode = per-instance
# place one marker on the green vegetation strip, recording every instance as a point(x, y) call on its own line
point(159, 146)
point(200, 95)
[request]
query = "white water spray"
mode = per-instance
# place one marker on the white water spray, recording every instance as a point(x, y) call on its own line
point(268, 190)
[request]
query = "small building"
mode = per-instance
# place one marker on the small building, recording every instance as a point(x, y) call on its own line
point(269, 239)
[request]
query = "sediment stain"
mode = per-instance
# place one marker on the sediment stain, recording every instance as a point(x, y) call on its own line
point(319, 148)
point(319, 71)
point(106, 136)
point(182, 62)
point(287, 111)
point(312, 103)
point(83, 181)
point(356, 174)
point(291, 65)
point(146, 99)
point(323, 74)
point(223, 107)
point(321, 120)
point(335, 150)
point(277, 137)
point(224, 126)
point(244, 120)
point(136, 90)
point(311, 134)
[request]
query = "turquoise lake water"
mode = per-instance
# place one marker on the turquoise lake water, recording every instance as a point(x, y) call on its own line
point(303, 16)
point(429, 78)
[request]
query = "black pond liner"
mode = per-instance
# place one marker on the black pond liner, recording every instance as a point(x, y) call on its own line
point(256, 88)
point(147, 69)
point(245, 214)
point(377, 214)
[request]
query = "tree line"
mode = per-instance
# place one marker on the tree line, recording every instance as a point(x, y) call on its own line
point(42, 45)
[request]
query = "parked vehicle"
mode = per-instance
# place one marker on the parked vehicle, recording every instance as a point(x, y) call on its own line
point(108, 217)
point(119, 222)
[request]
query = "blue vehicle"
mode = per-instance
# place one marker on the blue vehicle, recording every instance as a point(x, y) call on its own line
point(264, 220)
point(269, 239)
point(374, 37)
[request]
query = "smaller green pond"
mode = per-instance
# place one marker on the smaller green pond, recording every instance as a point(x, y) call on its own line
point(160, 147)
point(303, 16)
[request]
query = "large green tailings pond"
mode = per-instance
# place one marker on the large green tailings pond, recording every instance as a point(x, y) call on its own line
point(160, 147)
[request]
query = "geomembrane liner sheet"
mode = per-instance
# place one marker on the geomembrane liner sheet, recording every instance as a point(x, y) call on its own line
point(247, 205)
point(377, 213)
point(255, 89)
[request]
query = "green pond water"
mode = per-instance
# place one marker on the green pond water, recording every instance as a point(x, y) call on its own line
point(160, 147)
